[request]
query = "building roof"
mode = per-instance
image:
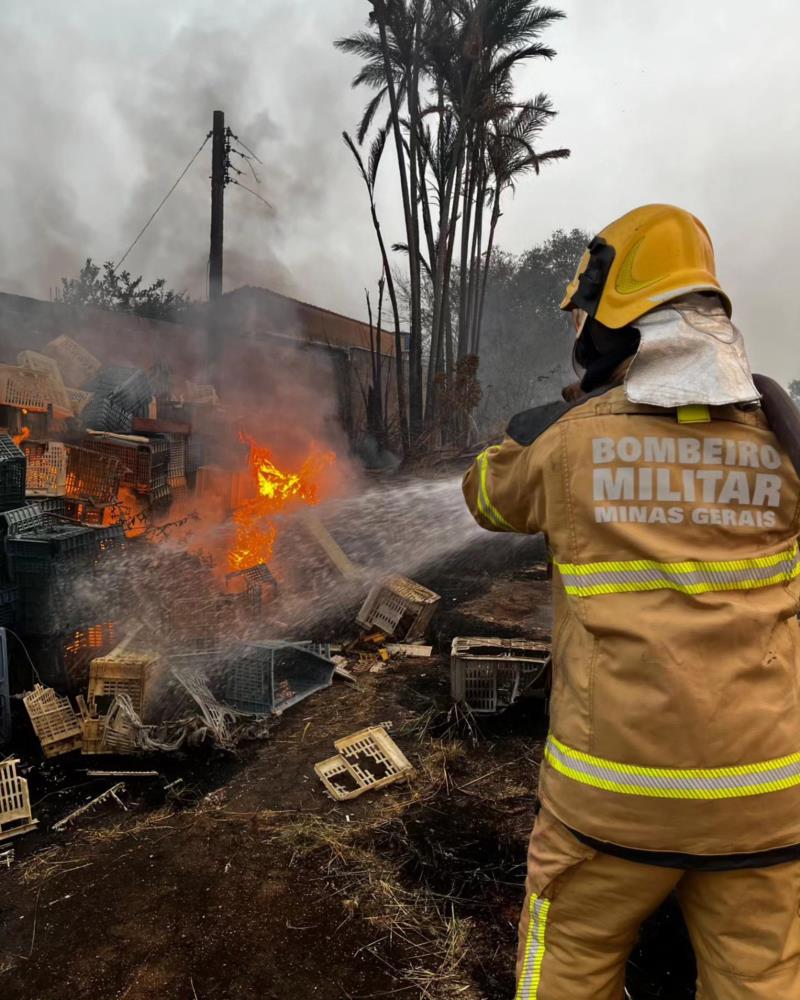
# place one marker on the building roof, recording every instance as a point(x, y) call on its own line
point(253, 311)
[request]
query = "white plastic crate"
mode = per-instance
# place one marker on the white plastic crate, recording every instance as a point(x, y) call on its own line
point(54, 721)
point(45, 469)
point(399, 607)
point(118, 673)
point(368, 759)
point(488, 675)
point(25, 389)
point(79, 398)
point(15, 804)
point(76, 364)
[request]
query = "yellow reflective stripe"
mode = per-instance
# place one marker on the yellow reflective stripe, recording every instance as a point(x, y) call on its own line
point(485, 505)
point(673, 783)
point(682, 588)
point(689, 566)
point(529, 980)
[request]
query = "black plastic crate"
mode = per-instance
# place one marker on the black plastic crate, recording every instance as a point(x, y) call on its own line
point(31, 517)
point(266, 677)
point(9, 596)
point(102, 413)
point(12, 474)
point(134, 393)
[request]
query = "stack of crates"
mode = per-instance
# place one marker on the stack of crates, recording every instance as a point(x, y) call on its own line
point(265, 678)
point(48, 561)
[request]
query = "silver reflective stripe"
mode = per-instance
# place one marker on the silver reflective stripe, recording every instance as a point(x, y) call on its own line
point(674, 783)
point(528, 986)
point(587, 579)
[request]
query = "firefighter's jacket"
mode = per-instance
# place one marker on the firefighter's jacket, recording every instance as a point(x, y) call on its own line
point(675, 723)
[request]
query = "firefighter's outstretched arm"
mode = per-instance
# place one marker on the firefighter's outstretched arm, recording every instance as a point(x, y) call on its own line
point(503, 488)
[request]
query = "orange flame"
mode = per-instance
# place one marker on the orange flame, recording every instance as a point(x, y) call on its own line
point(276, 492)
point(23, 435)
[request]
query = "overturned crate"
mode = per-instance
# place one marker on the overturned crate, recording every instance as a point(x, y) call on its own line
point(399, 607)
point(57, 726)
point(92, 477)
point(367, 760)
point(15, 803)
point(268, 677)
point(489, 675)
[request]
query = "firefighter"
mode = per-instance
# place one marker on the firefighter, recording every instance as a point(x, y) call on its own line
point(670, 509)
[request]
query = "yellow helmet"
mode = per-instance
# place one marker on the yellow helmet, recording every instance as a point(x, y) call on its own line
point(651, 255)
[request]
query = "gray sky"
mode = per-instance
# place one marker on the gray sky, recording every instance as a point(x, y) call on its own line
point(689, 102)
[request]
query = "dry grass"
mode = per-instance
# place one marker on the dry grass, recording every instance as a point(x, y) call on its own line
point(417, 925)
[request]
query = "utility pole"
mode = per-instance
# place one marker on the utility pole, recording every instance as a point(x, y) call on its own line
point(218, 175)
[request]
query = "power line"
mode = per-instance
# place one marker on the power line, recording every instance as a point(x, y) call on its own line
point(247, 148)
point(255, 194)
point(162, 202)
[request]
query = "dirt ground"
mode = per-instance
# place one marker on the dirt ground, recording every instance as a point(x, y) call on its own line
point(255, 884)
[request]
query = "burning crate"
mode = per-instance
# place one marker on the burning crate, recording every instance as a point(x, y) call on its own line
point(92, 477)
point(268, 677)
point(12, 475)
point(77, 365)
point(176, 470)
point(15, 804)
point(367, 760)
point(120, 672)
point(489, 675)
point(399, 607)
point(54, 721)
point(46, 469)
point(145, 461)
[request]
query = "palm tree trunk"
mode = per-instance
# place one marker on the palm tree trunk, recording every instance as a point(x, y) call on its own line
point(487, 265)
point(415, 375)
point(398, 336)
point(475, 262)
point(409, 211)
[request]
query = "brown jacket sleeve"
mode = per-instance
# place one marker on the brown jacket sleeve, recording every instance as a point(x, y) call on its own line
point(504, 487)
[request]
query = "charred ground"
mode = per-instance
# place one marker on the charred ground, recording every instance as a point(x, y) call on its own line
point(253, 883)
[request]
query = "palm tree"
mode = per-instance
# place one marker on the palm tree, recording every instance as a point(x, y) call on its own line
point(445, 68)
point(369, 173)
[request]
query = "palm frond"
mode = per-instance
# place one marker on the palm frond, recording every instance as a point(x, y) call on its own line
point(375, 154)
point(369, 113)
point(357, 156)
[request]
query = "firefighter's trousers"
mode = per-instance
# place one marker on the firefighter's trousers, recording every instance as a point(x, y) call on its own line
point(584, 908)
